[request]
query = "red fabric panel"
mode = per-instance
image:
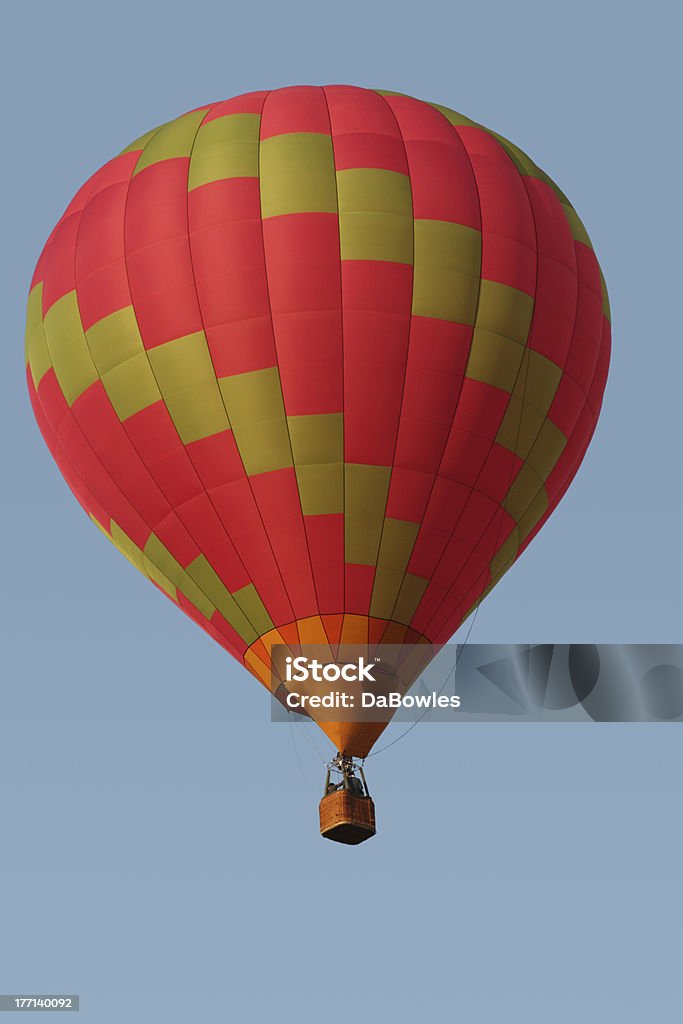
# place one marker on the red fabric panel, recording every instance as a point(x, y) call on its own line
point(247, 103)
point(358, 581)
point(296, 108)
point(158, 253)
point(556, 291)
point(277, 497)
point(226, 241)
point(509, 244)
point(303, 268)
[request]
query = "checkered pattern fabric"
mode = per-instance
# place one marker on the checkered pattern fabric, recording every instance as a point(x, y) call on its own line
point(320, 362)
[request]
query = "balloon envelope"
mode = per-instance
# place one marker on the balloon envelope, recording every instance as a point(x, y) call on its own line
point(320, 362)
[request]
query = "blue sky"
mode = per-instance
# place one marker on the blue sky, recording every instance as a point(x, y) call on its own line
point(159, 851)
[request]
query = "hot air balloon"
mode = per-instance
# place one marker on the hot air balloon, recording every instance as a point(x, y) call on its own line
point(320, 362)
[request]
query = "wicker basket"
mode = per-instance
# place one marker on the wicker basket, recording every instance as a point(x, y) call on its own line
point(347, 818)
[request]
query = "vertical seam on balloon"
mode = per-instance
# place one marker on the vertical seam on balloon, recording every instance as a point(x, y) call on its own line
point(576, 463)
point(571, 473)
point(149, 363)
point(407, 356)
point(190, 459)
point(341, 319)
point(474, 322)
point(272, 328)
point(563, 202)
point(474, 549)
point(473, 488)
point(551, 506)
point(227, 415)
point(142, 461)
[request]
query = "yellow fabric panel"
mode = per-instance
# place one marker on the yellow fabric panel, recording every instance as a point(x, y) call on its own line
point(398, 540)
point(538, 381)
point(502, 326)
point(132, 552)
point(317, 438)
point(119, 355)
point(494, 360)
point(227, 147)
point(365, 497)
point(409, 597)
point(374, 191)
point(161, 559)
point(447, 267)
point(114, 339)
point(376, 236)
point(579, 233)
point(131, 386)
point(153, 572)
point(253, 607)
point(264, 446)
point(504, 558)
point(546, 449)
point(197, 412)
point(321, 488)
point(504, 310)
point(172, 140)
point(396, 545)
point(211, 584)
point(183, 362)
point(537, 508)
point(521, 424)
point(136, 557)
point(526, 486)
point(385, 591)
point(35, 343)
point(252, 396)
point(68, 348)
point(257, 415)
point(375, 215)
point(186, 379)
point(141, 141)
point(318, 449)
point(297, 174)
point(507, 555)
point(535, 388)
point(527, 506)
